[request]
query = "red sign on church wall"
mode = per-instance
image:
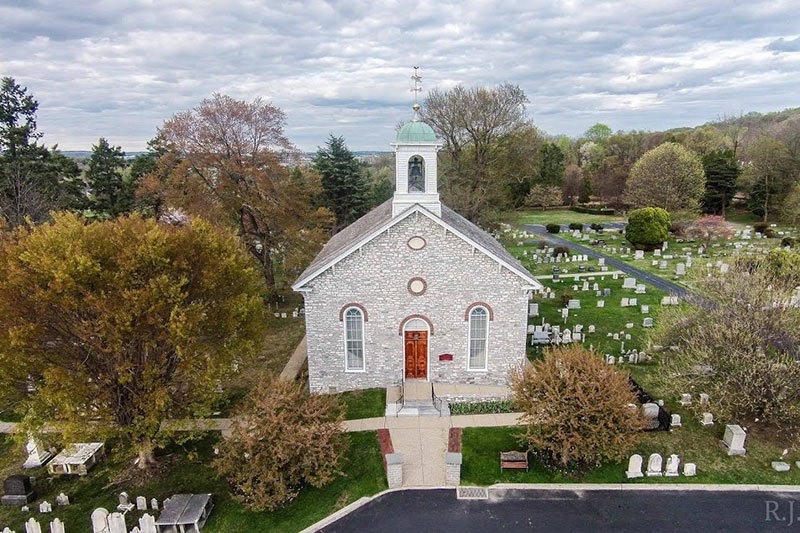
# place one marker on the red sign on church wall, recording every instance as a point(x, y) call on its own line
point(446, 357)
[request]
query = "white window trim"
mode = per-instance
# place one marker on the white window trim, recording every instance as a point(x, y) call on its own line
point(469, 339)
point(363, 342)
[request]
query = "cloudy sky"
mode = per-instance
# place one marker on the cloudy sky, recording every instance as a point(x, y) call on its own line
point(120, 68)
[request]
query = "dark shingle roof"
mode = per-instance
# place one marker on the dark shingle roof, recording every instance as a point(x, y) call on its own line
point(382, 215)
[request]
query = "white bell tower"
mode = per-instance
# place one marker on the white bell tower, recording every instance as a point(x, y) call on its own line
point(415, 163)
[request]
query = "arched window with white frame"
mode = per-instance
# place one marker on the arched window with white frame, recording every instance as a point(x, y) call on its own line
point(354, 340)
point(478, 338)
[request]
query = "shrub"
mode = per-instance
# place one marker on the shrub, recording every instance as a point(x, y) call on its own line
point(565, 298)
point(760, 227)
point(788, 242)
point(678, 227)
point(596, 227)
point(563, 250)
point(541, 245)
point(742, 339)
point(770, 233)
point(553, 228)
point(593, 210)
point(480, 408)
point(576, 226)
point(784, 265)
point(576, 409)
point(283, 439)
point(648, 227)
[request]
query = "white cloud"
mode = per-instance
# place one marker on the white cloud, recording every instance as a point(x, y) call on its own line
point(119, 69)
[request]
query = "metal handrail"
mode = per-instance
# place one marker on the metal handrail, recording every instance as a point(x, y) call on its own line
point(399, 404)
point(437, 402)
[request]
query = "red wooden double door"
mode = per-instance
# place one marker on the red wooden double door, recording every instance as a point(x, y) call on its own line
point(416, 354)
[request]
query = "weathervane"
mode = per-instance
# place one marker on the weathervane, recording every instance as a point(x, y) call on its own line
point(416, 89)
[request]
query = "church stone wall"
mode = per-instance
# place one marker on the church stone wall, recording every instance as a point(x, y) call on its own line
point(377, 276)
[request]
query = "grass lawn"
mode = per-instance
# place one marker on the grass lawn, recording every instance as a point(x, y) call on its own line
point(562, 216)
point(188, 470)
point(481, 448)
point(366, 403)
point(609, 319)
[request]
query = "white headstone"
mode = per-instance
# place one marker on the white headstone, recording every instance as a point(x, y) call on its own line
point(99, 520)
point(141, 503)
point(574, 304)
point(62, 499)
point(154, 504)
point(645, 309)
point(638, 254)
point(57, 526)
point(147, 524)
point(37, 455)
point(780, 466)
point(32, 526)
point(116, 523)
point(590, 329)
point(734, 439)
point(675, 421)
point(654, 466)
point(650, 410)
point(533, 309)
point(689, 469)
point(680, 269)
point(45, 507)
point(634, 466)
point(601, 303)
point(673, 465)
point(686, 400)
point(641, 288)
point(647, 322)
point(629, 283)
point(707, 420)
point(703, 398)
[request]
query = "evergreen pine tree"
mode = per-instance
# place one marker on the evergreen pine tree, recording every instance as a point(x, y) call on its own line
point(344, 189)
point(550, 166)
point(722, 171)
point(109, 192)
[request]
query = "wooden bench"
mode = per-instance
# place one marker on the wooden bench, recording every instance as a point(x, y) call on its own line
point(517, 460)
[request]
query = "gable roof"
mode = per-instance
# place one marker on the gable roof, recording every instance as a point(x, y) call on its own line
point(380, 219)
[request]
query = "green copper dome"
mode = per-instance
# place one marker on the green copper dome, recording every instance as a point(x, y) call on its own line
point(416, 131)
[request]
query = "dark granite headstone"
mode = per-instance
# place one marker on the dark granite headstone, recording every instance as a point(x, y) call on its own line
point(17, 490)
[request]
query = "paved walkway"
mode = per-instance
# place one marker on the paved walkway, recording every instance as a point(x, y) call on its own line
point(643, 275)
point(431, 422)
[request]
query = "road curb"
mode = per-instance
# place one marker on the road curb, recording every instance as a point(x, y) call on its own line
point(644, 487)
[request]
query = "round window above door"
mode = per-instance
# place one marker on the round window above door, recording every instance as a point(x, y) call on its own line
point(416, 243)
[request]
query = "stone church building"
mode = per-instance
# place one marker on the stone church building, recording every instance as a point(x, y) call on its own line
point(413, 291)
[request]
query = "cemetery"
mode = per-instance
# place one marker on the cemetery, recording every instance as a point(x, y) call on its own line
point(613, 314)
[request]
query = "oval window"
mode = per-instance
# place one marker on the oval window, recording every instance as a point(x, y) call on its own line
point(417, 286)
point(416, 243)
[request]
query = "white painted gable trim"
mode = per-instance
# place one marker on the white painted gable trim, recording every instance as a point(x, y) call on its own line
point(298, 285)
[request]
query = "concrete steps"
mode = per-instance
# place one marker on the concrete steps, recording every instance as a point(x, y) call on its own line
point(416, 408)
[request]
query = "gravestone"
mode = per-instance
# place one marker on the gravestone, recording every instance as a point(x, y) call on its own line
point(45, 507)
point(57, 526)
point(680, 269)
point(734, 439)
point(99, 519)
point(32, 526)
point(590, 329)
point(650, 411)
point(633, 302)
point(673, 464)
point(645, 309)
point(141, 503)
point(703, 398)
point(147, 524)
point(634, 467)
point(62, 499)
point(17, 490)
point(37, 455)
point(601, 303)
point(675, 421)
point(124, 505)
point(629, 283)
point(780, 466)
point(647, 323)
point(624, 302)
point(116, 523)
point(533, 309)
point(689, 469)
point(707, 419)
point(574, 304)
point(154, 504)
point(654, 466)
point(686, 400)
point(638, 254)
point(657, 253)
point(641, 288)
point(662, 265)
point(607, 292)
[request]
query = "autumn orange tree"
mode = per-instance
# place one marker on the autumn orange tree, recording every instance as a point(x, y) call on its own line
point(107, 328)
point(283, 439)
point(576, 409)
point(226, 160)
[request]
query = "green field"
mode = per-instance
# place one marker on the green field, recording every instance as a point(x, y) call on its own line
point(562, 216)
